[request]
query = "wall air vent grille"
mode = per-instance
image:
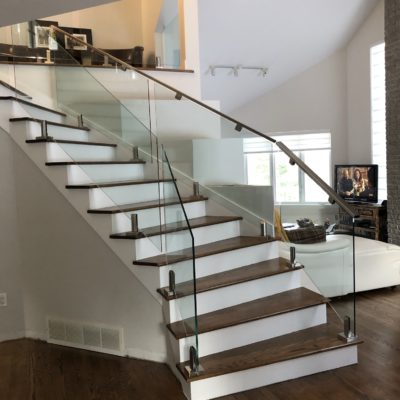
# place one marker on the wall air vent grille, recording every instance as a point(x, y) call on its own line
point(100, 338)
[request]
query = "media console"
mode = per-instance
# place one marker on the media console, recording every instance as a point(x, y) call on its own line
point(371, 224)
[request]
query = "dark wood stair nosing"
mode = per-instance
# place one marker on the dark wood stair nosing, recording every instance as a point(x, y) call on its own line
point(169, 228)
point(146, 205)
point(118, 183)
point(177, 330)
point(66, 163)
point(28, 103)
point(229, 281)
point(38, 120)
point(62, 141)
point(175, 257)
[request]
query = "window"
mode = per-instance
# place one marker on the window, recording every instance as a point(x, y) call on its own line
point(266, 165)
point(378, 116)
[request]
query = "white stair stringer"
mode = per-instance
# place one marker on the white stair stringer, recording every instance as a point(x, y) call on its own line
point(79, 199)
point(240, 381)
point(251, 332)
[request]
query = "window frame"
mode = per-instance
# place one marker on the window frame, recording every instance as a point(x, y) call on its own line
point(301, 174)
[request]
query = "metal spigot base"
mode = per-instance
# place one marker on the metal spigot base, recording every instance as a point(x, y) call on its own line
point(348, 339)
point(192, 373)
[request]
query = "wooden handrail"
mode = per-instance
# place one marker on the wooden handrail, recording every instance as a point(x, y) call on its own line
point(238, 125)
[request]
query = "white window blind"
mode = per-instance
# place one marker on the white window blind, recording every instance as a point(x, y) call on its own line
point(378, 115)
point(295, 142)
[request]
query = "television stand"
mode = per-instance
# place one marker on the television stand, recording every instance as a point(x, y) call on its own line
point(372, 221)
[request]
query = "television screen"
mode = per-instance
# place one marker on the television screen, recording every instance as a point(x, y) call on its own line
point(357, 183)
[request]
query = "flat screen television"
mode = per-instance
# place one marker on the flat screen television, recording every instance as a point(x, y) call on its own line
point(357, 182)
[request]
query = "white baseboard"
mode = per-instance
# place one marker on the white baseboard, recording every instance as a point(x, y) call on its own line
point(130, 352)
point(12, 336)
point(146, 355)
point(29, 334)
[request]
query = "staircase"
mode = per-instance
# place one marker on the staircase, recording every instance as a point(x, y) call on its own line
point(260, 320)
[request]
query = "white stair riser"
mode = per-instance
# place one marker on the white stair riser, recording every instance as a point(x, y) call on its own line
point(222, 261)
point(42, 114)
point(121, 222)
point(229, 296)
point(118, 195)
point(252, 332)
point(57, 152)
point(223, 385)
point(182, 240)
point(84, 174)
point(65, 133)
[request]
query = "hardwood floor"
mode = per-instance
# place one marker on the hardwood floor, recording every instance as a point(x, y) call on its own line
point(32, 370)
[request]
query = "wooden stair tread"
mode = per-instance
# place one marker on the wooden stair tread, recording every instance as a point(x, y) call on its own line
point(79, 128)
point(40, 140)
point(254, 310)
point(93, 162)
point(145, 205)
point(227, 278)
point(306, 342)
point(175, 227)
point(117, 183)
point(32, 105)
point(15, 90)
point(204, 250)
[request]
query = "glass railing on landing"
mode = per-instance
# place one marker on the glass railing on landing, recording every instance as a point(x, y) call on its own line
point(212, 164)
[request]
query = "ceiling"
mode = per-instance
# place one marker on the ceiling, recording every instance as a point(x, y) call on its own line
point(287, 36)
point(15, 11)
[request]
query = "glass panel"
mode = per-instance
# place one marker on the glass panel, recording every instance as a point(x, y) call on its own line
point(179, 243)
point(167, 35)
point(325, 251)
point(207, 148)
point(109, 120)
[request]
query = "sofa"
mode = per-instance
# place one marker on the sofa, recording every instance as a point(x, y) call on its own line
point(330, 264)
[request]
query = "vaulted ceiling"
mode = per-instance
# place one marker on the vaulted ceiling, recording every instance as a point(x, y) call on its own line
point(287, 36)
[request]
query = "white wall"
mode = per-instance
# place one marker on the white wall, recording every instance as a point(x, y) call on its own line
point(69, 273)
point(11, 317)
point(114, 26)
point(286, 36)
point(359, 88)
point(315, 100)
point(332, 95)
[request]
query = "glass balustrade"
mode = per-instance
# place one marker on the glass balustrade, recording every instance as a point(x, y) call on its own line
point(195, 152)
